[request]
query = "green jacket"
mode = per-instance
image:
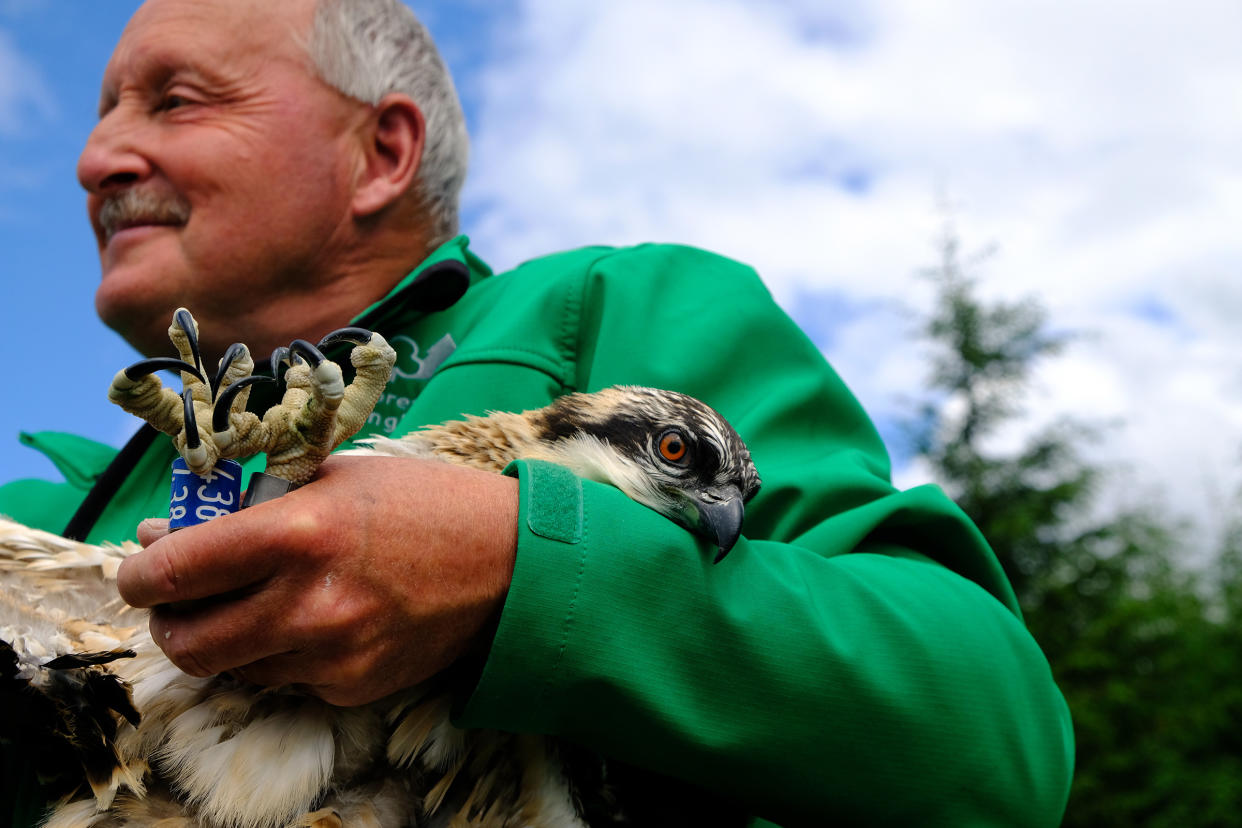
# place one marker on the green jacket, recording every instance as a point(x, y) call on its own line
point(859, 656)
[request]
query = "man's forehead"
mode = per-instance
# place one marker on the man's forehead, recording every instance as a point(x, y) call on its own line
point(298, 11)
point(167, 27)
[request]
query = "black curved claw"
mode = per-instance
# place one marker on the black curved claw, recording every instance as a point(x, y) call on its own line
point(191, 422)
point(358, 336)
point(220, 413)
point(186, 322)
point(230, 356)
point(305, 350)
point(140, 369)
point(280, 356)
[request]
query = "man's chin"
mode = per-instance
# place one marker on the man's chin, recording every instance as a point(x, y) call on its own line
point(137, 309)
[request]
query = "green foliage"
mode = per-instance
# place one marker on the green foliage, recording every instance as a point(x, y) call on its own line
point(1149, 656)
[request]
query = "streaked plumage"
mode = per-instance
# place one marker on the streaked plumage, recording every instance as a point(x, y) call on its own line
point(219, 752)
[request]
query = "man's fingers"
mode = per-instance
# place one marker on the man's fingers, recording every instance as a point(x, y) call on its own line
point(151, 530)
point(209, 637)
point(278, 670)
point(340, 680)
point(193, 563)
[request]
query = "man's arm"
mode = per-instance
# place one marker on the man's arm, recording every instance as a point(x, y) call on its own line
point(873, 687)
point(859, 655)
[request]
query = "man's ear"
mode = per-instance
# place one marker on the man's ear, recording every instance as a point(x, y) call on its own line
point(393, 138)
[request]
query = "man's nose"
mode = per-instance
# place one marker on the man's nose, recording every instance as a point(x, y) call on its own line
point(113, 158)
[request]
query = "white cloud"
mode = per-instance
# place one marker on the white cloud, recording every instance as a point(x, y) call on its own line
point(1095, 142)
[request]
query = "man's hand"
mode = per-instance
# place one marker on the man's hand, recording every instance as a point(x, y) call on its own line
point(376, 575)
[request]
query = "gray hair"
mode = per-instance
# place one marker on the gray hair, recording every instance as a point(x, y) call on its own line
point(370, 48)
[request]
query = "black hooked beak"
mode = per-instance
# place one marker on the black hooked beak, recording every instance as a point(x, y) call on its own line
point(720, 517)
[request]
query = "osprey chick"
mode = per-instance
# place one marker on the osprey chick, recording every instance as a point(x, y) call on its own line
point(665, 450)
point(198, 750)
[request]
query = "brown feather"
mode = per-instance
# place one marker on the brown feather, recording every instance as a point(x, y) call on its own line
point(196, 757)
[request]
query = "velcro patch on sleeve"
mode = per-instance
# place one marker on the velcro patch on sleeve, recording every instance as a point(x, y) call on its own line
point(551, 499)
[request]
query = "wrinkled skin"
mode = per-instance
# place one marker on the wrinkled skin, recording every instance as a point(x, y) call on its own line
point(322, 588)
point(316, 414)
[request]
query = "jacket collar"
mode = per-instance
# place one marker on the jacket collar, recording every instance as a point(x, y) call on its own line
point(435, 285)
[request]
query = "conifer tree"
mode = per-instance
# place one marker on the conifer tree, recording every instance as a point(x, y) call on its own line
point(1152, 670)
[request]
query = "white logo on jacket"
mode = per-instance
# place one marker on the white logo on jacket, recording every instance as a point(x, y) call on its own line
point(413, 365)
point(425, 365)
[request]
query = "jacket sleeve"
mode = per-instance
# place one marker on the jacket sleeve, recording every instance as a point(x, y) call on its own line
point(858, 656)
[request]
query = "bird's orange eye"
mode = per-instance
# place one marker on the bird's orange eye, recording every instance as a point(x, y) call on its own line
point(672, 446)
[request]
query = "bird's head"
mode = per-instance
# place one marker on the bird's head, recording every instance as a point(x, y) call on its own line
point(663, 449)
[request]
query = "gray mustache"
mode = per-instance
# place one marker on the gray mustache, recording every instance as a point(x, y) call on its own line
point(130, 207)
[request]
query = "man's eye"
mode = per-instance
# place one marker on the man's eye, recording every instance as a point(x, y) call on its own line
point(174, 102)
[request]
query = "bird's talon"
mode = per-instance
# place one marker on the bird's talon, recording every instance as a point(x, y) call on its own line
point(144, 367)
point(224, 402)
point(195, 454)
point(280, 357)
point(317, 411)
point(192, 440)
point(235, 352)
point(325, 374)
point(184, 324)
point(356, 336)
point(307, 351)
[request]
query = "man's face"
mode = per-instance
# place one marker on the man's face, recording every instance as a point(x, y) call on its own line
point(219, 176)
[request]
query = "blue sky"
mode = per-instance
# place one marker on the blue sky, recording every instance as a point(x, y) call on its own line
point(821, 142)
point(59, 357)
